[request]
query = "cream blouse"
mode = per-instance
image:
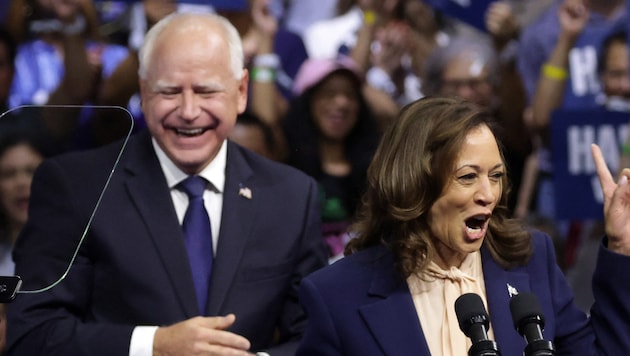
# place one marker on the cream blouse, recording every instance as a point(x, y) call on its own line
point(434, 298)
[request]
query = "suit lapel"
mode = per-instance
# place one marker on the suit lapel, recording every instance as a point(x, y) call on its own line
point(393, 319)
point(236, 224)
point(151, 196)
point(497, 281)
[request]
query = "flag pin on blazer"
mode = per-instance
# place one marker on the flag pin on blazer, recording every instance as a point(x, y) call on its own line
point(245, 192)
point(511, 290)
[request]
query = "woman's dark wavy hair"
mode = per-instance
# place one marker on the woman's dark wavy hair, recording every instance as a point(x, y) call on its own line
point(409, 172)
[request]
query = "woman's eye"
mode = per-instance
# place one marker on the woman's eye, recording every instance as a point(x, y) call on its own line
point(467, 177)
point(497, 175)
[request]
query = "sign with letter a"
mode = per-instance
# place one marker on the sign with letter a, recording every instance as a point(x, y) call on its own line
point(578, 194)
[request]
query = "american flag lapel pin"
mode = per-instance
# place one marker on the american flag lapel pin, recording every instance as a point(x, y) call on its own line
point(511, 290)
point(245, 192)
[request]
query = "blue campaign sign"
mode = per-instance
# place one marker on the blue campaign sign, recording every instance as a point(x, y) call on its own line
point(578, 194)
point(469, 11)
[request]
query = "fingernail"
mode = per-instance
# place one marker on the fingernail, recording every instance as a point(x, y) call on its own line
point(623, 180)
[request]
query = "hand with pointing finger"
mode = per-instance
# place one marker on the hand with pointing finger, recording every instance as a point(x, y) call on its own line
point(616, 204)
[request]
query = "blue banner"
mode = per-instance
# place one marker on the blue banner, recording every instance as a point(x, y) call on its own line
point(469, 11)
point(578, 194)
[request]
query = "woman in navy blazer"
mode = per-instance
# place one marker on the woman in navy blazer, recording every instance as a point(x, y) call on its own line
point(436, 207)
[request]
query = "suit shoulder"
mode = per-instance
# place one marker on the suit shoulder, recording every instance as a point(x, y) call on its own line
point(541, 241)
point(353, 268)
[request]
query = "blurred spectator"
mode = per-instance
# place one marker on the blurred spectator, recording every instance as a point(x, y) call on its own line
point(613, 77)
point(297, 15)
point(20, 154)
point(470, 67)
point(551, 93)
point(12, 121)
point(331, 135)
point(384, 46)
point(113, 16)
point(274, 55)
point(614, 73)
point(539, 38)
point(62, 59)
point(392, 48)
point(252, 133)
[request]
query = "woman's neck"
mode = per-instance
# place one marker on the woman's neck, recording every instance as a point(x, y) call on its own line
point(333, 158)
point(446, 258)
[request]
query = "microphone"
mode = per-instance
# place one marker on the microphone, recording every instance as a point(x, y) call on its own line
point(474, 322)
point(529, 322)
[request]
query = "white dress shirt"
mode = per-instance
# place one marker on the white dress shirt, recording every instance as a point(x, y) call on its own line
point(142, 336)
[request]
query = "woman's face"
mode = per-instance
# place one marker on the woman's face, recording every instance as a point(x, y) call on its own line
point(459, 217)
point(335, 106)
point(17, 166)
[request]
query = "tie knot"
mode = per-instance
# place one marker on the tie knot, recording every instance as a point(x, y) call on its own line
point(194, 186)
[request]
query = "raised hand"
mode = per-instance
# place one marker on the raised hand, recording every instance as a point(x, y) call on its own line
point(573, 17)
point(616, 204)
point(501, 22)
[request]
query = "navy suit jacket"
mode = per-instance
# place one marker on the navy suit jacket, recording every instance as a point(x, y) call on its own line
point(361, 305)
point(132, 267)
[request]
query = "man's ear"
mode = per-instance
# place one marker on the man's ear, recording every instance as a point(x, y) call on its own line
point(243, 88)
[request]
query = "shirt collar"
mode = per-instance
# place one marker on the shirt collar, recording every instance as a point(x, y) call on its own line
point(214, 172)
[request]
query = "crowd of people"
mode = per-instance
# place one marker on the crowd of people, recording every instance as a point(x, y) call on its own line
point(368, 131)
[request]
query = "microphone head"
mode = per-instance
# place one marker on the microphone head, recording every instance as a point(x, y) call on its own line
point(470, 311)
point(526, 309)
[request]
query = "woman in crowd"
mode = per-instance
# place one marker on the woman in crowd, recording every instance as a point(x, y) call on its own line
point(19, 157)
point(434, 225)
point(331, 135)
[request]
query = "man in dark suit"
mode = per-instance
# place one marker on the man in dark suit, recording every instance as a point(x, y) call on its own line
point(130, 290)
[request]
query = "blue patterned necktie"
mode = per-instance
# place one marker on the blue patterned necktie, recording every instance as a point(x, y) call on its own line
point(198, 237)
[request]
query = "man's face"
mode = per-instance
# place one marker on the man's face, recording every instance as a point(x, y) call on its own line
point(616, 74)
point(467, 76)
point(190, 97)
